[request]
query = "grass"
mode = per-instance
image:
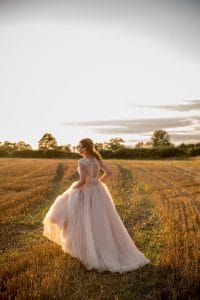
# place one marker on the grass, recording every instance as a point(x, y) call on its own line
point(35, 268)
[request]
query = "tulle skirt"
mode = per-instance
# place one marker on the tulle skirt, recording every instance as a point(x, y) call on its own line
point(86, 224)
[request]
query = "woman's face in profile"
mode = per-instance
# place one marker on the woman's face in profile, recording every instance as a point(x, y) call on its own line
point(81, 149)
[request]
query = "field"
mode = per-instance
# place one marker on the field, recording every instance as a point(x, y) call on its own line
point(159, 203)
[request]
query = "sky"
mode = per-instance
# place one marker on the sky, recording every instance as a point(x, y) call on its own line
point(99, 69)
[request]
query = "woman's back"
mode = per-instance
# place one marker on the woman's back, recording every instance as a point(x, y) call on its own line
point(93, 166)
point(90, 168)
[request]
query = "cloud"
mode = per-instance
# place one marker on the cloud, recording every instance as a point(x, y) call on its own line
point(138, 126)
point(185, 137)
point(188, 106)
point(174, 138)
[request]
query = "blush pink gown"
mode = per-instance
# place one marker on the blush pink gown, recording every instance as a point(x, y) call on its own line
point(85, 223)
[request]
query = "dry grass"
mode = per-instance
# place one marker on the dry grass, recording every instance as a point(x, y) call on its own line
point(174, 187)
point(159, 203)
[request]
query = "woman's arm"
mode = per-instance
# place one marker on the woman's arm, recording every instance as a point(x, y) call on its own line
point(106, 169)
point(83, 173)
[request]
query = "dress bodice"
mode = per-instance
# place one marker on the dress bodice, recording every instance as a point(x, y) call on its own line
point(93, 169)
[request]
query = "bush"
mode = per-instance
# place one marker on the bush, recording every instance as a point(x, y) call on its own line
point(125, 153)
point(171, 152)
point(194, 151)
point(38, 154)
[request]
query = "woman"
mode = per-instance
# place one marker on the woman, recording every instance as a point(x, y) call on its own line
point(85, 223)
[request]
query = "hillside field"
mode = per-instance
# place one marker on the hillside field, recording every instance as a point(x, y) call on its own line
point(159, 203)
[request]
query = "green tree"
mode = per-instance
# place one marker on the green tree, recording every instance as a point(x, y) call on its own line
point(6, 145)
point(139, 145)
point(114, 144)
point(160, 138)
point(47, 142)
point(21, 145)
point(98, 146)
point(63, 148)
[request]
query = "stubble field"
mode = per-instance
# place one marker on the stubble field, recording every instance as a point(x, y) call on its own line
point(159, 203)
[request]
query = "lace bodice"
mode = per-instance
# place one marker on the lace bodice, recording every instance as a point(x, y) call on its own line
point(92, 167)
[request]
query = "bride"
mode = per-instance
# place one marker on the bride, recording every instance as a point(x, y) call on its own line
point(85, 223)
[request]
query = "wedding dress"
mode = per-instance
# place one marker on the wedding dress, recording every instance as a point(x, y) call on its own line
point(85, 223)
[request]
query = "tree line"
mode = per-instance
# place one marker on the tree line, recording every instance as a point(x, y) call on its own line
point(159, 146)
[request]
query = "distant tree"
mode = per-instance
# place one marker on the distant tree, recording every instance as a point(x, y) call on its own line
point(182, 145)
point(47, 142)
point(139, 145)
point(21, 145)
point(148, 145)
point(6, 145)
point(67, 148)
point(63, 148)
point(114, 144)
point(160, 138)
point(99, 146)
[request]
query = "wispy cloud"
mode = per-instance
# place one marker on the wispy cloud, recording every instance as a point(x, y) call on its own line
point(185, 137)
point(139, 126)
point(188, 106)
point(181, 129)
point(174, 137)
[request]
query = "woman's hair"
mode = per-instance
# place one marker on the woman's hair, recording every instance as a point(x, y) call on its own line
point(88, 143)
